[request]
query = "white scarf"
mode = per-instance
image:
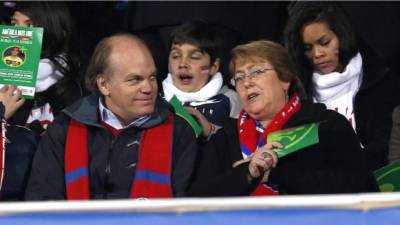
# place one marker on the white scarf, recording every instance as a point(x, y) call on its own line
point(337, 90)
point(207, 91)
point(47, 74)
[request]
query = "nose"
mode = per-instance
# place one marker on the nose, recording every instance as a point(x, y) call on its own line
point(318, 52)
point(183, 63)
point(248, 82)
point(148, 86)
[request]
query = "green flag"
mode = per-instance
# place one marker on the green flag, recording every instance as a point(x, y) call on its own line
point(388, 177)
point(294, 139)
point(20, 54)
point(182, 112)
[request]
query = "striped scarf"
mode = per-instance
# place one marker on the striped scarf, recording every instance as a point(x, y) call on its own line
point(153, 172)
point(253, 135)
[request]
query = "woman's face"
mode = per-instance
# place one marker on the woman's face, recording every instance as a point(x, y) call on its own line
point(261, 93)
point(321, 47)
point(21, 20)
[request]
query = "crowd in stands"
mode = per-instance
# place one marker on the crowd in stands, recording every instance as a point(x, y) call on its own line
point(103, 127)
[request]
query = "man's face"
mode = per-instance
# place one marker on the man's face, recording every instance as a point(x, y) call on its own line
point(129, 85)
point(14, 52)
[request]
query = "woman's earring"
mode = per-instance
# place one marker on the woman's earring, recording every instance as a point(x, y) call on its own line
point(286, 96)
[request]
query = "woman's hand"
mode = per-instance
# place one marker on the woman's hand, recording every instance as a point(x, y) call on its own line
point(206, 127)
point(11, 97)
point(263, 159)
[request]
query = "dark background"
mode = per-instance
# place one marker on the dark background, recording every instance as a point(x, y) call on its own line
point(377, 23)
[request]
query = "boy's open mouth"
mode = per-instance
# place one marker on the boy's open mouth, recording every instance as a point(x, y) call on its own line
point(185, 78)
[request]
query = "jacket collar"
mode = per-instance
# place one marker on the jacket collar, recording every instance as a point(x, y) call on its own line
point(374, 68)
point(86, 111)
point(306, 114)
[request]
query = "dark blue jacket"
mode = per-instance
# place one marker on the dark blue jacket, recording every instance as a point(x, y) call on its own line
point(20, 148)
point(111, 159)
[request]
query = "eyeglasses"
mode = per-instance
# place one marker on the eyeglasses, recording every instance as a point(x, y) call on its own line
point(239, 78)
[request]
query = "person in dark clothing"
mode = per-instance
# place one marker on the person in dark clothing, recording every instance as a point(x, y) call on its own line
point(239, 161)
point(17, 147)
point(134, 145)
point(394, 147)
point(343, 73)
point(59, 80)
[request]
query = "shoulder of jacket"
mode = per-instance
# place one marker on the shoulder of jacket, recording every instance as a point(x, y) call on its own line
point(396, 114)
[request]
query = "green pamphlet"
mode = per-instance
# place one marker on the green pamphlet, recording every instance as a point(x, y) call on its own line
point(20, 54)
point(388, 177)
point(182, 112)
point(294, 139)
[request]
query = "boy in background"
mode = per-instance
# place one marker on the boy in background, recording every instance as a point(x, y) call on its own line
point(194, 77)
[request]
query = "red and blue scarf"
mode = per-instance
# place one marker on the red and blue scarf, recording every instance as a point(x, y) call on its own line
point(253, 135)
point(153, 172)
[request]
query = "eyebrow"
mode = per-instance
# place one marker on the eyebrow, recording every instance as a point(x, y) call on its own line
point(154, 73)
point(133, 75)
point(242, 71)
point(251, 66)
point(318, 40)
point(190, 50)
point(323, 36)
point(175, 49)
point(27, 20)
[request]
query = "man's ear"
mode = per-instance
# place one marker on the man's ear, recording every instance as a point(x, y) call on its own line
point(214, 68)
point(103, 84)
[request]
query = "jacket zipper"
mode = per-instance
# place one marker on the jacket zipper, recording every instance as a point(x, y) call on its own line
point(107, 171)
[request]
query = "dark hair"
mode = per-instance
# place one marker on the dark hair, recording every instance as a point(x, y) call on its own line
point(274, 53)
point(203, 34)
point(99, 61)
point(59, 46)
point(55, 19)
point(304, 13)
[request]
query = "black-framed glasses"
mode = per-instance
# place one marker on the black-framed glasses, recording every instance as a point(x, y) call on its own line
point(240, 77)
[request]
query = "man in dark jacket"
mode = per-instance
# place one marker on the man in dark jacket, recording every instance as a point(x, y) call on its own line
point(123, 141)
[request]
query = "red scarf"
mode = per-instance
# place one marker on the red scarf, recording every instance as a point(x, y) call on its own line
point(153, 173)
point(252, 135)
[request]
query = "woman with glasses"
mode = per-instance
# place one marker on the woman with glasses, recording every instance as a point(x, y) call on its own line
point(343, 73)
point(239, 160)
